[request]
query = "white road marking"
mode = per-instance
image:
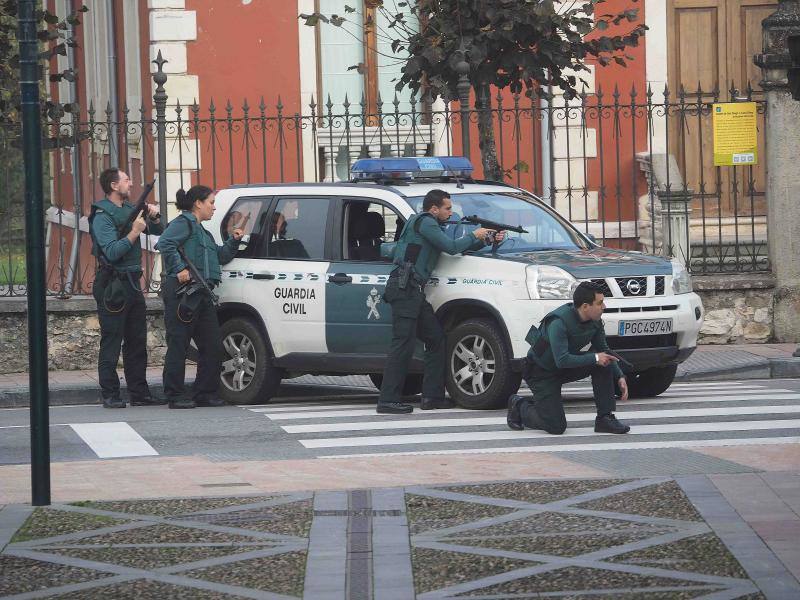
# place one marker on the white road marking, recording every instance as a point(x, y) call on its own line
point(369, 410)
point(484, 421)
point(113, 440)
point(588, 447)
point(474, 436)
point(363, 412)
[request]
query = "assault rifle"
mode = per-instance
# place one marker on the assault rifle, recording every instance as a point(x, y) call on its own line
point(197, 282)
point(139, 208)
point(486, 223)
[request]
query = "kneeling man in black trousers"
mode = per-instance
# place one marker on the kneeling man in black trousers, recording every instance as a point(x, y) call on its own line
point(556, 358)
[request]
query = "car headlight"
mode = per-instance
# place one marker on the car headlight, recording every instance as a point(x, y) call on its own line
point(549, 283)
point(681, 280)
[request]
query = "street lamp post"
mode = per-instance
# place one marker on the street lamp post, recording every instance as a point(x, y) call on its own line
point(34, 252)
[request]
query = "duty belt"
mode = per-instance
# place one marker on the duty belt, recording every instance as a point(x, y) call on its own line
point(413, 279)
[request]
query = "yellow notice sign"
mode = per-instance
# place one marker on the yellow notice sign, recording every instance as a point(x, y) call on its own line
point(735, 134)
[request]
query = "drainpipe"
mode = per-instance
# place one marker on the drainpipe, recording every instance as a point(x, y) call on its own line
point(75, 165)
point(111, 24)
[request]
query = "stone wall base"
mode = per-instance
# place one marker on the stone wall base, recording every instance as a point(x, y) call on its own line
point(739, 309)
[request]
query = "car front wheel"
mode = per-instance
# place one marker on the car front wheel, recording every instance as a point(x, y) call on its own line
point(247, 375)
point(652, 382)
point(479, 371)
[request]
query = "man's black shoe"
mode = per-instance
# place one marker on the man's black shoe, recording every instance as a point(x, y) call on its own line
point(113, 403)
point(181, 403)
point(149, 400)
point(609, 424)
point(514, 417)
point(394, 408)
point(432, 403)
point(209, 401)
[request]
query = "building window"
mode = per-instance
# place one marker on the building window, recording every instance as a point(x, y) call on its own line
point(364, 40)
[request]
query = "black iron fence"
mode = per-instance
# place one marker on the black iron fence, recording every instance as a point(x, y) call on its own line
point(635, 170)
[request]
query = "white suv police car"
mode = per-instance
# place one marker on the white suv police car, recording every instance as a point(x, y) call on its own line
point(304, 295)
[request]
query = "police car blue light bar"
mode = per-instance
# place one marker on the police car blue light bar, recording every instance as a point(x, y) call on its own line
point(411, 168)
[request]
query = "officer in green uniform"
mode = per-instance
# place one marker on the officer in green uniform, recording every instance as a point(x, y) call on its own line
point(415, 255)
point(556, 358)
point(193, 315)
point(118, 292)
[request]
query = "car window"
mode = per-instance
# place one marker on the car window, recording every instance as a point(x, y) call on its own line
point(297, 227)
point(245, 214)
point(545, 231)
point(366, 227)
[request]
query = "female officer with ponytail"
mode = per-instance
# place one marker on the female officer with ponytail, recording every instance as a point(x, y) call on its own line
point(194, 315)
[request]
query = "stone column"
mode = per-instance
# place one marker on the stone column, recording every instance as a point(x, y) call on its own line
point(783, 183)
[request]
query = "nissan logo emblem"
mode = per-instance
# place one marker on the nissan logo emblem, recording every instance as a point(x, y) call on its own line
point(634, 287)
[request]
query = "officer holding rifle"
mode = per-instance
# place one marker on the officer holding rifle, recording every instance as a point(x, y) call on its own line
point(415, 257)
point(192, 262)
point(115, 226)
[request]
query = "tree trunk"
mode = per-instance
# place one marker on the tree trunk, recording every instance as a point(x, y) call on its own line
point(486, 140)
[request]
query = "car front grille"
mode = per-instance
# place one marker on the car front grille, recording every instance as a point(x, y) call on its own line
point(602, 286)
point(632, 286)
point(659, 285)
point(635, 342)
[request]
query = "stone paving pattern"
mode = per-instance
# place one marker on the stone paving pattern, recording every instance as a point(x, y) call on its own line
point(643, 539)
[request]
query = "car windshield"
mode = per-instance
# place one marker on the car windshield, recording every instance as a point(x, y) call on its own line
point(545, 231)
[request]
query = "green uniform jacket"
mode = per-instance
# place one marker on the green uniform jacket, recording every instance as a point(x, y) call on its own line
point(199, 246)
point(105, 226)
point(564, 334)
point(432, 239)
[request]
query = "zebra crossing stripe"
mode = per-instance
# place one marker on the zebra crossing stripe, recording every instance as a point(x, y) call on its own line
point(476, 436)
point(622, 445)
point(113, 440)
point(486, 421)
point(360, 412)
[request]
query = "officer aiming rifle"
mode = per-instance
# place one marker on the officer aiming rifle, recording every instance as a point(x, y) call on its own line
point(494, 226)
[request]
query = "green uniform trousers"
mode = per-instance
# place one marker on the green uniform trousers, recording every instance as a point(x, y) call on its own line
point(204, 329)
point(546, 410)
point(412, 318)
point(124, 328)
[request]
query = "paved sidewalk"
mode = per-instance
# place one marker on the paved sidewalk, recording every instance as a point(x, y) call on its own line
point(710, 362)
point(712, 537)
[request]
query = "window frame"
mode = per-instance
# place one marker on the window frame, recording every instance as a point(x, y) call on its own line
point(270, 211)
point(338, 254)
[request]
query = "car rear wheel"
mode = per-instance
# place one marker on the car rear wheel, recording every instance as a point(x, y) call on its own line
point(479, 371)
point(411, 387)
point(247, 375)
point(652, 382)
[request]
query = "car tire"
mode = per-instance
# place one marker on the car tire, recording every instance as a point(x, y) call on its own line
point(244, 344)
point(483, 390)
point(411, 387)
point(652, 382)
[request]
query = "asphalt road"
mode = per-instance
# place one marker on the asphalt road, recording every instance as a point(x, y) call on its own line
point(327, 421)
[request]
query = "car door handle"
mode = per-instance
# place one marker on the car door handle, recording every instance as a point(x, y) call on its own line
point(340, 278)
point(263, 276)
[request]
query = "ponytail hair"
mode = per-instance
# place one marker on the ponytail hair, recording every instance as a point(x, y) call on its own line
point(185, 200)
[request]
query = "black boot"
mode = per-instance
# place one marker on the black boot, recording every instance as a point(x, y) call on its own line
point(114, 402)
point(609, 424)
point(181, 402)
point(514, 416)
point(394, 408)
point(432, 403)
point(150, 399)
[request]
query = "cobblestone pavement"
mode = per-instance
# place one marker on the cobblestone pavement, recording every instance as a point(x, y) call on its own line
point(644, 538)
